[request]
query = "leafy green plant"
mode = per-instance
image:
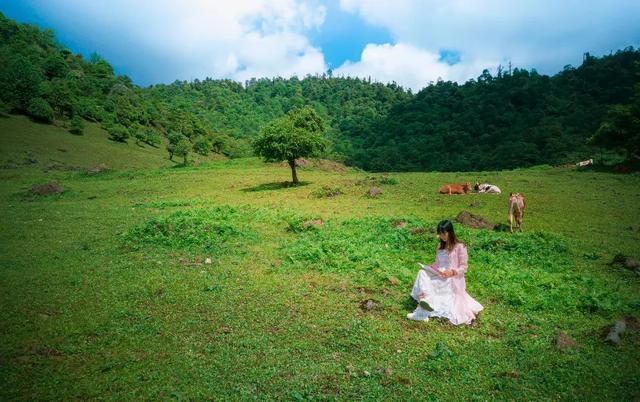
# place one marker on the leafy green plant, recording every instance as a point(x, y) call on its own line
point(326, 192)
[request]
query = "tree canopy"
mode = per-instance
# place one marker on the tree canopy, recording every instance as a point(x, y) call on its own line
point(298, 134)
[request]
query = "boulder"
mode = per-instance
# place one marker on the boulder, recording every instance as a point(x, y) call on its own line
point(618, 329)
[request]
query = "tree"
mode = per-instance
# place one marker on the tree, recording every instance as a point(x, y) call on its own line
point(621, 129)
point(19, 82)
point(299, 134)
point(182, 148)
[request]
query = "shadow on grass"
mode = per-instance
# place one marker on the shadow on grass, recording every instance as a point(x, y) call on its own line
point(274, 186)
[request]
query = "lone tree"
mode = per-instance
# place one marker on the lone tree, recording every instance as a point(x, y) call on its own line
point(298, 134)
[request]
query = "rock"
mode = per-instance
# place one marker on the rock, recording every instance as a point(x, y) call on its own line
point(52, 187)
point(313, 222)
point(369, 305)
point(366, 373)
point(393, 281)
point(474, 221)
point(374, 192)
point(614, 334)
point(627, 262)
point(98, 169)
point(208, 261)
point(565, 341)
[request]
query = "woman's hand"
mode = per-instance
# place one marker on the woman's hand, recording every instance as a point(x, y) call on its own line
point(448, 273)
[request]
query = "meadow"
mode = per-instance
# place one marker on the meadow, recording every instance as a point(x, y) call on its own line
point(156, 281)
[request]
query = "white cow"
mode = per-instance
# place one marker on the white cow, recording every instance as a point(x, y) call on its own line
point(588, 162)
point(487, 188)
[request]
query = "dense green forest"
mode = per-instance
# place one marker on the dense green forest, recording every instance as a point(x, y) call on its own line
point(515, 118)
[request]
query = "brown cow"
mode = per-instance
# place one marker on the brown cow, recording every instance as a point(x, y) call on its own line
point(455, 188)
point(516, 209)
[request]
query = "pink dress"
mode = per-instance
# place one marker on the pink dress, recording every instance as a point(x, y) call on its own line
point(448, 297)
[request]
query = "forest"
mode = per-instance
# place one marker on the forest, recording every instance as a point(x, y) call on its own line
point(509, 119)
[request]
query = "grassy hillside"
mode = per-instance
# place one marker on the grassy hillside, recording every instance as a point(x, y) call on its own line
point(23, 143)
point(106, 293)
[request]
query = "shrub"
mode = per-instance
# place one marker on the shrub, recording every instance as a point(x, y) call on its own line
point(40, 110)
point(118, 133)
point(202, 146)
point(77, 125)
point(326, 192)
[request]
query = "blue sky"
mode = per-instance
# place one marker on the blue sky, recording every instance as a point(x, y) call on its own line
point(411, 42)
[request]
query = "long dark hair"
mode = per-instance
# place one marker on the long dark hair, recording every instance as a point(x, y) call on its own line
point(452, 240)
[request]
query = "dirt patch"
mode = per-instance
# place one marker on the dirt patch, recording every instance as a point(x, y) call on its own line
point(101, 168)
point(369, 305)
point(374, 192)
point(49, 188)
point(313, 222)
point(474, 221)
point(565, 341)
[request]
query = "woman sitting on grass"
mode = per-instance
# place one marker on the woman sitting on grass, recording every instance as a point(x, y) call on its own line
point(440, 288)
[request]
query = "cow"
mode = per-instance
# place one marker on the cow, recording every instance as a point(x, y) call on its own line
point(455, 188)
point(487, 188)
point(516, 209)
point(586, 163)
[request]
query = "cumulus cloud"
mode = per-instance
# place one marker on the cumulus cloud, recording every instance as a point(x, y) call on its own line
point(542, 34)
point(198, 38)
point(409, 66)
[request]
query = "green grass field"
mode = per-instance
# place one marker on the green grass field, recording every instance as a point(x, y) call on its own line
point(105, 291)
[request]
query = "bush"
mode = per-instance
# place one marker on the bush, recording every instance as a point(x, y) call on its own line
point(40, 110)
point(118, 133)
point(77, 125)
point(89, 109)
point(326, 192)
point(202, 146)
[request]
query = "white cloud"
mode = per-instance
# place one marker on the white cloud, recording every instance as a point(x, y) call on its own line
point(199, 38)
point(408, 66)
point(542, 34)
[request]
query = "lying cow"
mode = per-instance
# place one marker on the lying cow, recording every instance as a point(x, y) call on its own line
point(487, 188)
point(516, 210)
point(586, 163)
point(455, 188)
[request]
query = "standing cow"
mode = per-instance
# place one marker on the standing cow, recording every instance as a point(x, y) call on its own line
point(516, 210)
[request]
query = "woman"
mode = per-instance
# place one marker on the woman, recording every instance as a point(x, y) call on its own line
point(440, 288)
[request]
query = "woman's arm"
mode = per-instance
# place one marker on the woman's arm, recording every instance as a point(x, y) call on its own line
point(463, 259)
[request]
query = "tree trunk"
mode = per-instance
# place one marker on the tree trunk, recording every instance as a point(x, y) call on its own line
point(292, 164)
point(185, 159)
